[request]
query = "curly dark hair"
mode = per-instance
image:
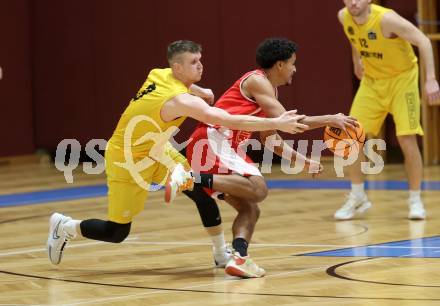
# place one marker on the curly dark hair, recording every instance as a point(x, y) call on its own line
point(180, 46)
point(272, 50)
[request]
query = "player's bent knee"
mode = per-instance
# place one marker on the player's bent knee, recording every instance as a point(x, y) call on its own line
point(260, 192)
point(118, 232)
point(206, 205)
point(119, 236)
point(257, 189)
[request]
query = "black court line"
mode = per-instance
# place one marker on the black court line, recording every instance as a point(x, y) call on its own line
point(213, 291)
point(332, 272)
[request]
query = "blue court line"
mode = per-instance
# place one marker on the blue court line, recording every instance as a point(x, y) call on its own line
point(341, 184)
point(416, 248)
point(55, 195)
point(75, 193)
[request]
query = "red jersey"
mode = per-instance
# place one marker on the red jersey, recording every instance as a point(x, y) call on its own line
point(215, 149)
point(235, 102)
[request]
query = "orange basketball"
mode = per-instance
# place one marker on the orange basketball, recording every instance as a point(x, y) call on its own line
point(342, 143)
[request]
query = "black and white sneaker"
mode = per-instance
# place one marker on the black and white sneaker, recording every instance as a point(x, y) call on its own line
point(58, 238)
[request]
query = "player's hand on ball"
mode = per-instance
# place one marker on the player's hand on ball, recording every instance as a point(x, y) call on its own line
point(343, 122)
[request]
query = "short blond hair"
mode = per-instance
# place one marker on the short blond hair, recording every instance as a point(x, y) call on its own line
point(181, 46)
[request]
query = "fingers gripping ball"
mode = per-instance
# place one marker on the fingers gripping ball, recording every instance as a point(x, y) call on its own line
point(342, 143)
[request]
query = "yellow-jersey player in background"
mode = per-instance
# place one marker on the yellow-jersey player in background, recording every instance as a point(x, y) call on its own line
point(139, 154)
point(385, 62)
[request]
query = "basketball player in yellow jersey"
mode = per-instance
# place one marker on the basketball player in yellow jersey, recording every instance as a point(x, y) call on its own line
point(139, 154)
point(384, 61)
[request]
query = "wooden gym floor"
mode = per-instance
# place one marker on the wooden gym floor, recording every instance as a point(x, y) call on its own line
point(167, 258)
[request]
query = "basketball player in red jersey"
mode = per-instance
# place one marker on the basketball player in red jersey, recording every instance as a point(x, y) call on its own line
point(215, 150)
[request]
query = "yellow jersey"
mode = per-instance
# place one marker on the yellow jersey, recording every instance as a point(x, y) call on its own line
point(142, 115)
point(381, 57)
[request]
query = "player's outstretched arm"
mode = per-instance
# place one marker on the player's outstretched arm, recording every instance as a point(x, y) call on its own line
point(262, 91)
point(339, 120)
point(192, 106)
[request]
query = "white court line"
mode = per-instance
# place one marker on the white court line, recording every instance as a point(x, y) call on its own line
point(179, 243)
point(76, 245)
point(263, 245)
point(408, 255)
point(192, 243)
point(131, 296)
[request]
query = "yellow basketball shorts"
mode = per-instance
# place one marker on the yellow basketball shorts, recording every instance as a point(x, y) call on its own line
point(127, 194)
point(398, 96)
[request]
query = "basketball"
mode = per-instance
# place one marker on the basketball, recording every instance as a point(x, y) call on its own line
point(342, 143)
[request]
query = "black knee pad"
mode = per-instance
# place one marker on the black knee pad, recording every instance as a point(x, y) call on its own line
point(105, 230)
point(118, 232)
point(207, 207)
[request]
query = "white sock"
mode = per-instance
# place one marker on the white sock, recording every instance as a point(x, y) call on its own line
point(414, 195)
point(218, 241)
point(358, 190)
point(70, 227)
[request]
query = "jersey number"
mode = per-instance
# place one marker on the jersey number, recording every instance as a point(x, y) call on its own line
point(146, 91)
point(363, 42)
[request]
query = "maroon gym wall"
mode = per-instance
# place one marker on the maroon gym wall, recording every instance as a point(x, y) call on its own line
point(70, 67)
point(16, 121)
point(89, 65)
